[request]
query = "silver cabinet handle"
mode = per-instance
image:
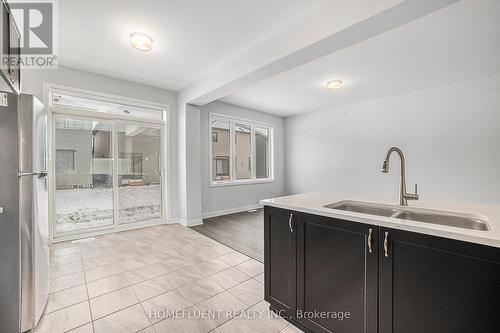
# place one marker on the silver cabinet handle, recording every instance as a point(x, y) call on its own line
point(370, 240)
point(386, 245)
point(290, 224)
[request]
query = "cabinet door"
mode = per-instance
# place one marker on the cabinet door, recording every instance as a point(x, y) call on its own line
point(436, 285)
point(280, 260)
point(337, 271)
point(14, 69)
point(4, 37)
point(9, 49)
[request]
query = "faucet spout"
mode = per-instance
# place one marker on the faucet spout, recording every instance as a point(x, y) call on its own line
point(385, 166)
point(403, 195)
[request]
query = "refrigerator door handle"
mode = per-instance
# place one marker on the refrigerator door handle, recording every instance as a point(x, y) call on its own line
point(25, 174)
point(40, 174)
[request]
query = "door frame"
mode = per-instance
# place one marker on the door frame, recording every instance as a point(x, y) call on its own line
point(165, 125)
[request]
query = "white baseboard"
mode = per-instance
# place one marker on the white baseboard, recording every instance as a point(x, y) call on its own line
point(191, 223)
point(112, 229)
point(173, 221)
point(229, 211)
point(194, 222)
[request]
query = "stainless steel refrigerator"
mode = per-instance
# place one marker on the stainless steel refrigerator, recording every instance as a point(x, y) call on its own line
point(24, 230)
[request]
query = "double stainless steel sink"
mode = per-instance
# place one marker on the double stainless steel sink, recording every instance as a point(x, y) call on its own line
point(459, 220)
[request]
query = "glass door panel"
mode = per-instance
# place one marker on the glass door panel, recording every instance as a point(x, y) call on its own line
point(139, 172)
point(84, 174)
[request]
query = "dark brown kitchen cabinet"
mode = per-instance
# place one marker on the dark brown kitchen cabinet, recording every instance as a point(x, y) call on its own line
point(436, 285)
point(337, 264)
point(10, 42)
point(280, 260)
point(389, 281)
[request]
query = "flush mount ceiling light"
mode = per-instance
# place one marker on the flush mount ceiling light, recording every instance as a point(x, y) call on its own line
point(335, 85)
point(141, 41)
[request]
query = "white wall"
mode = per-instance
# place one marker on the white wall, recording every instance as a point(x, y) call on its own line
point(217, 199)
point(449, 135)
point(33, 80)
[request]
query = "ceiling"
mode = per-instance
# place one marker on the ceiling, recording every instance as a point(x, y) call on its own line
point(459, 42)
point(191, 37)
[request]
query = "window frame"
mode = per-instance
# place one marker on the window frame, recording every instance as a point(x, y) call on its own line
point(232, 135)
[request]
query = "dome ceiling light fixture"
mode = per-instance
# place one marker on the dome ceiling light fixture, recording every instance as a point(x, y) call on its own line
point(335, 85)
point(141, 41)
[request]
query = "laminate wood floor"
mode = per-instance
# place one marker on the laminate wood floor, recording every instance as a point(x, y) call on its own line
point(243, 232)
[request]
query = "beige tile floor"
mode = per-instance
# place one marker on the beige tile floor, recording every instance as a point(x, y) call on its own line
point(133, 281)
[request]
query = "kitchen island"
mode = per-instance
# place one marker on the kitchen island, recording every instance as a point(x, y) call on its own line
point(331, 270)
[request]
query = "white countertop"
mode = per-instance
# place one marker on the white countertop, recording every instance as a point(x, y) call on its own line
point(314, 202)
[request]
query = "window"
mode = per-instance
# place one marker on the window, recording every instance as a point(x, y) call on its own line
point(240, 150)
point(65, 160)
point(131, 164)
point(221, 150)
point(222, 167)
point(243, 151)
point(261, 152)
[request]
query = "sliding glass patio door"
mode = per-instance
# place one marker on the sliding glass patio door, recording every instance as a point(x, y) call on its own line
point(139, 172)
point(84, 174)
point(107, 173)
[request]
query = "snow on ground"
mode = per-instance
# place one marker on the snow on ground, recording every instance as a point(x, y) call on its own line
point(89, 208)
